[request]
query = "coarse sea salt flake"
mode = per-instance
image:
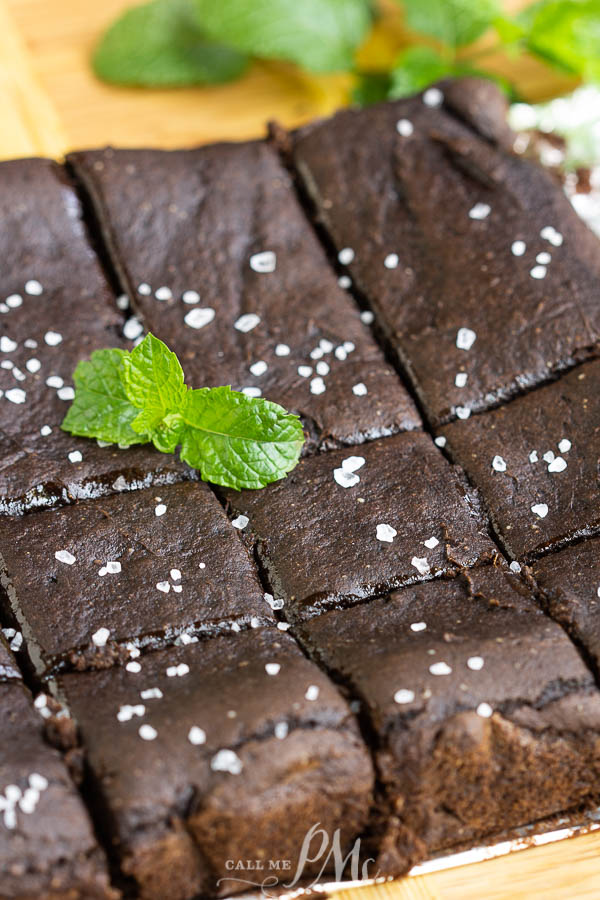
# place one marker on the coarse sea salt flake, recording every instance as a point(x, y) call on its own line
point(147, 733)
point(360, 389)
point(160, 509)
point(404, 127)
point(557, 465)
point(540, 510)
point(345, 478)
point(226, 761)
point(421, 565)
point(263, 262)
point(240, 522)
point(385, 533)
point(404, 696)
point(346, 255)
point(247, 322)
point(199, 317)
point(196, 736)
point(100, 638)
point(465, 338)
point(440, 668)
point(564, 445)
point(64, 556)
point(480, 211)
point(431, 542)
point(499, 464)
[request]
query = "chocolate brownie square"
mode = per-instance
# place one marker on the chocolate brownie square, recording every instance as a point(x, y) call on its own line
point(227, 750)
point(535, 461)
point(55, 309)
point(48, 850)
point(343, 527)
point(481, 275)
point(221, 262)
point(483, 714)
point(569, 582)
point(92, 581)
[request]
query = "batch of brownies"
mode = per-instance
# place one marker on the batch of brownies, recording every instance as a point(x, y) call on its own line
point(401, 640)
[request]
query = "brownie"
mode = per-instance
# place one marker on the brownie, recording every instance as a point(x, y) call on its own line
point(482, 712)
point(55, 309)
point(343, 527)
point(469, 255)
point(91, 581)
point(569, 582)
point(227, 750)
point(222, 264)
point(535, 461)
point(47, 846)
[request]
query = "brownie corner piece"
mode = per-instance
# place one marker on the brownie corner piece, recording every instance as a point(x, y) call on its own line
point(47, 846)
point(535, 462)
point(240, 745)
point(56, 308)
point(483, 713)
point(479, 271)
point(347, 525)
point(223, 265)
point(96, 580)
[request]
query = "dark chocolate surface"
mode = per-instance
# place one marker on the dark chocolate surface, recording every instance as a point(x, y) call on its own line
point(570, 586)
point(269, 756)
point(319, 540)
point(496, 451)
point(55, 309)
point(185, 570)
point(197, 220)
point(47, 846)
point(483, 711)
point(445, 205)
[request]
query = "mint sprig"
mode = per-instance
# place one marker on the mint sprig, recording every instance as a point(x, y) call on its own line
point(141, 397)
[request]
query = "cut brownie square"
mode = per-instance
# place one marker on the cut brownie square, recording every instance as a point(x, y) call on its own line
point(55, 309)
point(535, 461)
point(90, 581)
point(47, 847)
point(570, 586)
point(224, 267)
point(227, 750)
point(344, 527)
point(481, 274)
point(483, 714)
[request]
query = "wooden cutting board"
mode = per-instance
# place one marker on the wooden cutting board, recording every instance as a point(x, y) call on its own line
point(51, 103)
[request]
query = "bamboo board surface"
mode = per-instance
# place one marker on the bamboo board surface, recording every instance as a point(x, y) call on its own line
point(51, 103)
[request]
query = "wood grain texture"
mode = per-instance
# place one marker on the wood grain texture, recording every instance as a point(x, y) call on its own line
point(60, 36)
point(51, 103)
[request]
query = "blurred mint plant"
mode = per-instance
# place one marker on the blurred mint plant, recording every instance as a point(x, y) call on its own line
point(168, 43)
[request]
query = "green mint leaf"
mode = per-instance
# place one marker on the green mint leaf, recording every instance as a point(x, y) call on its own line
point(153, 382)
point(454, 22)
point(321, 35)
point(238, 441)
point(158, 45)
point(565, 33)
point(416, 68)
point(371, 87)
point(101, 408)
